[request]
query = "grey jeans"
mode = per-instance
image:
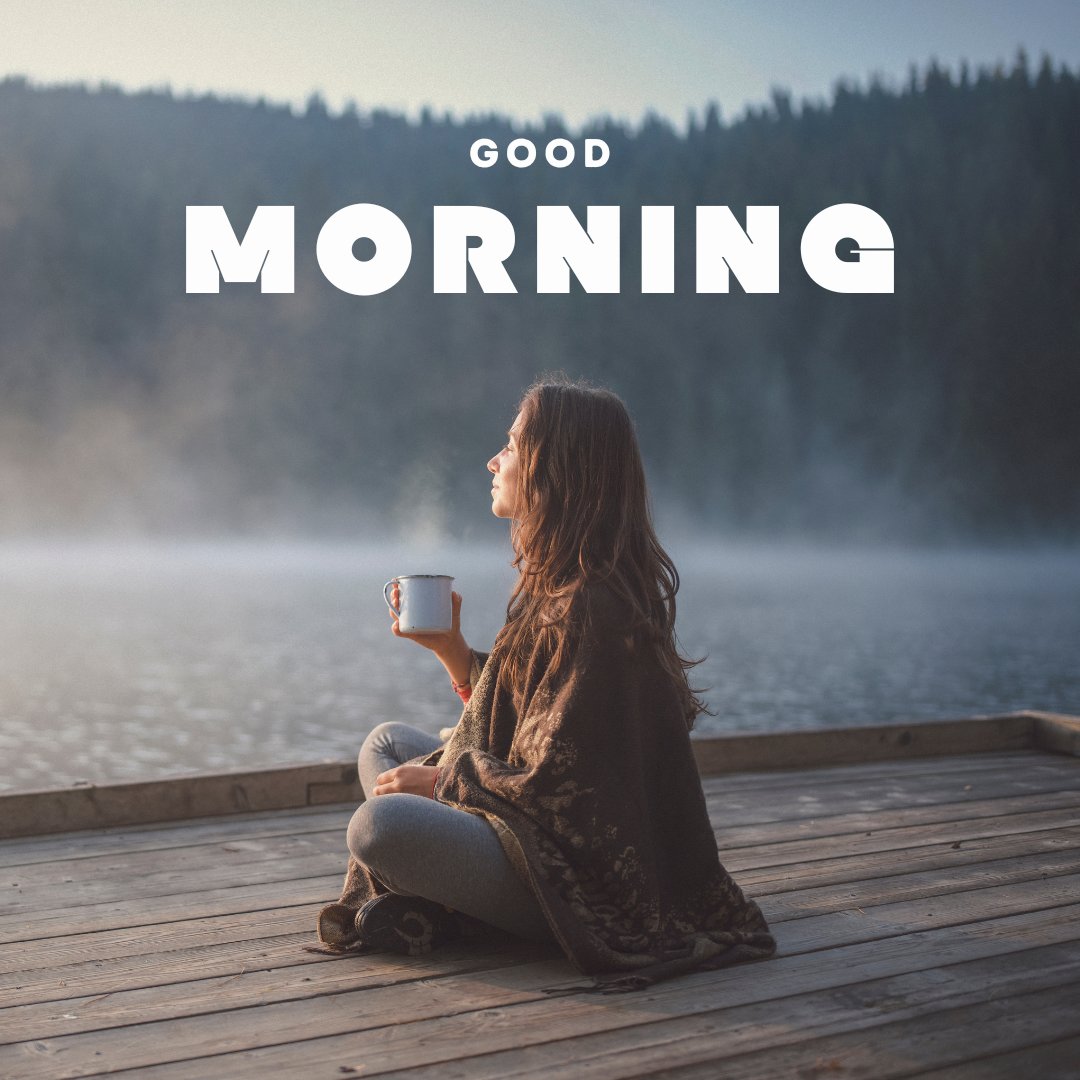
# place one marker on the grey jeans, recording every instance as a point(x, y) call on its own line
point(418, 846)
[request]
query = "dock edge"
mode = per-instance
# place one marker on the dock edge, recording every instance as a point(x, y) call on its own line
point(291, 787)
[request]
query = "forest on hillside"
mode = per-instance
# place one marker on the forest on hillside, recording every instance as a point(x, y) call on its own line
point(946, 411)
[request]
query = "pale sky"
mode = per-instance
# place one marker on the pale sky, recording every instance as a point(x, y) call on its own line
point(592, 57)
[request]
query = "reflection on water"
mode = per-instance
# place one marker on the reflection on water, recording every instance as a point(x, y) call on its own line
point(124, 663)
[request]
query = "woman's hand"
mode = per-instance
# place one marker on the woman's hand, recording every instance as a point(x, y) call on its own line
point(436, 642)
point(450, 647)
point(412, 779)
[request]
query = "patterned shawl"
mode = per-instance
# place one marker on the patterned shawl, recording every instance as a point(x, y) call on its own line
point(595, 796)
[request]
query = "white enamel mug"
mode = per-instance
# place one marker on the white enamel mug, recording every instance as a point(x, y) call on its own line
point(426, 606)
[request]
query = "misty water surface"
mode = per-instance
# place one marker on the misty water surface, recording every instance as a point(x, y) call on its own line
point(138, 662)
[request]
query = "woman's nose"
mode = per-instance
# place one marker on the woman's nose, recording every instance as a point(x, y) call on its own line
point(491, 464)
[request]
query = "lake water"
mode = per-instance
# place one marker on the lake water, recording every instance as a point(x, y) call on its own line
point(133, 662)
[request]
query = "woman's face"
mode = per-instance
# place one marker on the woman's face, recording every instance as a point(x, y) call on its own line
point(504, 466)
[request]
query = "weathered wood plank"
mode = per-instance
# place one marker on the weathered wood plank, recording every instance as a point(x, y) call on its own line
point(900, 790)
point(868, 893)
point(730, 835)
point(837, 746)
point(954, 765)
point(51, 903)
point(968, 914)
point(112, 863)
point(45, 899)
point(737, 1041)
point(32, 813)
point(278, 849)
point(285, 822)
point(192, 985)
point(270, 895)
point(46, 964)
point(980, 856)
point(785, 853)
point(161, 910)
point(113, 975)
point(160, 897)
point(172, 975)
point(276, 1023)
point(36, 882)
point(112, 866)
point(370, 1031)
point(957, 909)
point(907, 1047)
point(61, 874)
point(1049, 1061)
point(101, 962)
point(1056, 733)
point(266, 824)
point(95, 843)
point(855, 880)
point(324, 835)
point(941, 765)
point(936, 890)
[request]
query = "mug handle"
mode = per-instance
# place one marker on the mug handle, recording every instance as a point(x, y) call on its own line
point(386, 597)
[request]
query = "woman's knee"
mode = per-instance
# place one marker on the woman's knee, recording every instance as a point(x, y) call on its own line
point(377, 741)
point(381, 735)
point(381, 738)
point(377, 828)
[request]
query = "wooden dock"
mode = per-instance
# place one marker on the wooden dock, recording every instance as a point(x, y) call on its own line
point(924, 893)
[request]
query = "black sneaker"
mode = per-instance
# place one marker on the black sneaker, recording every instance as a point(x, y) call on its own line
point(411, 925)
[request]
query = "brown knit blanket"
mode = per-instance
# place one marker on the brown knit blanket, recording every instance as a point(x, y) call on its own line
point(595, 796)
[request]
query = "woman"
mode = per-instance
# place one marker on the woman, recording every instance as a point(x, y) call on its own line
point(566, 805)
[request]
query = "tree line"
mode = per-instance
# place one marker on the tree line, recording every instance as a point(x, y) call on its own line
point(945, 411)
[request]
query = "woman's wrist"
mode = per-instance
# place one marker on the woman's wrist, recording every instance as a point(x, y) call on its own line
point(457, 660)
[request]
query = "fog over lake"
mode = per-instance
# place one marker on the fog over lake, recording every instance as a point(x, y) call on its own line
point(138, 661)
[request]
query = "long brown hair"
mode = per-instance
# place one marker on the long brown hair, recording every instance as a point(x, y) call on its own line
point(583, 515)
